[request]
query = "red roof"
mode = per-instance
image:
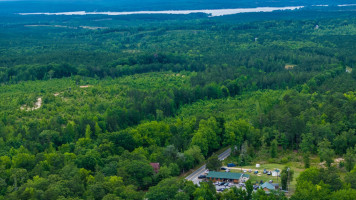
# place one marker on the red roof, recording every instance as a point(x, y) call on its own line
point(155, 166)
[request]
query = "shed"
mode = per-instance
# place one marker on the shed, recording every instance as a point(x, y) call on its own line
point(276, 172)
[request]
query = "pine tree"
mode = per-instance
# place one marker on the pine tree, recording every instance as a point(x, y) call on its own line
point(87, 132)
point(97, 128)
point(306, 159)
point(349, 159)
point(274, 148)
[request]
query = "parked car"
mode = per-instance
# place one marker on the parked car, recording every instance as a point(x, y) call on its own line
point(245, 171)
point(227, 184)
point(221, 189)
point(227, 170)
point(242, 184)
point(270, 181)
point(217, 183)
point(265, 171)
point(201, 176)
point(231, 165)
point(255, 187)
point(250, 170)
point(222, 183)
point(223, 168)
point(269, 173)
point(256, 172)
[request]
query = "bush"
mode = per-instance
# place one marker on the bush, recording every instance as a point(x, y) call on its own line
point(284, 160)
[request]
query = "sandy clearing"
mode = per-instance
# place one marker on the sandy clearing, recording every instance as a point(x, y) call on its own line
point(289, 66)
point(38, 105)
point(93, 27)
point(348, 69)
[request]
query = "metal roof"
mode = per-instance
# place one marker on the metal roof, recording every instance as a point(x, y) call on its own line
point(225, 175)
point(268, 186)
point(246, 175)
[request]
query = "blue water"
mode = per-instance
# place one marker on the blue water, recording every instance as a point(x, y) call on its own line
point(23, 6)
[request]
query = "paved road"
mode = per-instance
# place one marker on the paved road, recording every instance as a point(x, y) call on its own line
point(225, 154)
point(194, 176)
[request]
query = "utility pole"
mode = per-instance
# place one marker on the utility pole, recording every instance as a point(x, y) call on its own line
point(288, 178)
point(277, 170)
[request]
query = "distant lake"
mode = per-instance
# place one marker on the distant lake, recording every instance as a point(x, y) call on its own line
point(212, 12)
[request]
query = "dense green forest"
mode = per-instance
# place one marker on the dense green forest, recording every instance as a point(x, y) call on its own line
point(84, 111)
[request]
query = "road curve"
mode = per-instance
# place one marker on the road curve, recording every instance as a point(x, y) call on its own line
point(194, 176)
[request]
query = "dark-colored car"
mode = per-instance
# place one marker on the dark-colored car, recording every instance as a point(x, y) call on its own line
point(269, 173)
point(265, 171)
point(201, 176)
point(231, 165)
point(223, 168)
point(255, 172)
point(221, 189)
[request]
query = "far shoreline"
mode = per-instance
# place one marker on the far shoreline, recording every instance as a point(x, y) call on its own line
point(211, 12)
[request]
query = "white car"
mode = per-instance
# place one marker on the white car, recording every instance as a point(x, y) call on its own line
point(245, 171)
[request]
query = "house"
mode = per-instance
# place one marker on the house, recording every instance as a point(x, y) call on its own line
point(269, 186)
point(227, 176)
point(155, 167)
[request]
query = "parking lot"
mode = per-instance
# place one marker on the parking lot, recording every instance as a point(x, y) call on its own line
point(220, 187)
